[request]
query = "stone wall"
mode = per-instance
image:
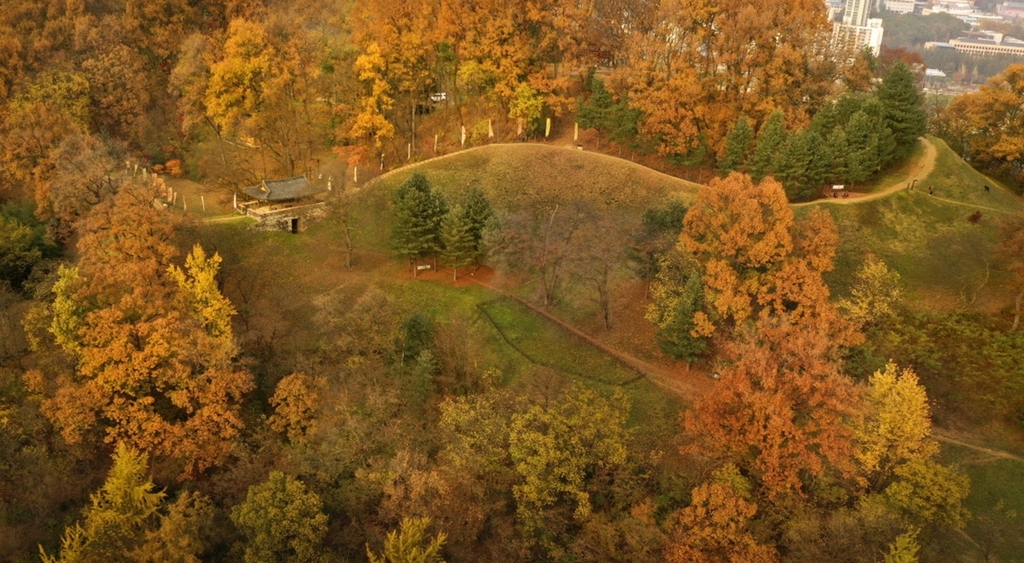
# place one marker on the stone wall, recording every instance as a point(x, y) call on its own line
point(281, 219)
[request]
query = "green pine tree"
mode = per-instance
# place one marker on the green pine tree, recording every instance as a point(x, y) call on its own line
point(770, 140)
point(595, 111)
point(886, 147)
point(121, 513)
point(903, 108)
point(792, 164)
point(826, 118)
point(434, 213)
point(737, 146)
point(615, 118)
point(410, 227)
point(820, 165)
point(479, 213)
point(838, 152)
point(862, 145)
point(457, 238)
point(419, 209)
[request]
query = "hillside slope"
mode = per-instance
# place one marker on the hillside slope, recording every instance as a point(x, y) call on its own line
point(943, 245)
point(518, 174)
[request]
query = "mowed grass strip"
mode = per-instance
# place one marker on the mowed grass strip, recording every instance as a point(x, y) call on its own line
point(541, 343)
point(519, 342)
point(548, 344)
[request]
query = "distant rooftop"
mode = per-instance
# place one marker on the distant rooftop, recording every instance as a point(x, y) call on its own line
point(282, 190)
point(988, 43)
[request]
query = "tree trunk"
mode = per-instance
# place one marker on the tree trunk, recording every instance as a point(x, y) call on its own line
point(601, 285)
point(1016, 311)
point(455, 273)
point(349, 247)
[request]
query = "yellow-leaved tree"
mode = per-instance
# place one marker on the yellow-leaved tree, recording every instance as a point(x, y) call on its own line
point(896, 454)
point(562, 453)
point(897, 425)
point(129, 520)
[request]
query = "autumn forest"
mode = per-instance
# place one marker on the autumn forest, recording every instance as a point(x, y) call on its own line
point(558, 280)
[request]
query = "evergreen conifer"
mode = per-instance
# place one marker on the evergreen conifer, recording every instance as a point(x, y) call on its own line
point(737, 146)
point(903, 108)
point(770, 140)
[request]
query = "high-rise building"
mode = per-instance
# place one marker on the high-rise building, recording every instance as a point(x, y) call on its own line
point(856, 12)
point(853, 38)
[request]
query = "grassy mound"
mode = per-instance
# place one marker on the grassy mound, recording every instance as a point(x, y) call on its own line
point(524, 175)
point(527, 174)
point(943, 245)
point(946, 260)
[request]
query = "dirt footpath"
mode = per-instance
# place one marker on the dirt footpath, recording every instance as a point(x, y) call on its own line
point(920, 170)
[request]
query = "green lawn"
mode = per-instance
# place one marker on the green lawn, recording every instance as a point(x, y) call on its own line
point(550, 345)
point(523, 343)
point(954, 179)
point(996, 503)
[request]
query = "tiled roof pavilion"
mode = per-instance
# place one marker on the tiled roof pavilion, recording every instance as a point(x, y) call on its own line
point(282, 190)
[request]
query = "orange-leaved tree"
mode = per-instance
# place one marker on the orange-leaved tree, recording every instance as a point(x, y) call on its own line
point(715, 525)
point(782, 411)
point(754, 259)
point(694, 66)
point(151, 347)
point(987, 126)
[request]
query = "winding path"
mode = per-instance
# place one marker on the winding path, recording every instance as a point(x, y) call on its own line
point(944, 436)
point(673, 384)
point(665, 378)
point(920, 169)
